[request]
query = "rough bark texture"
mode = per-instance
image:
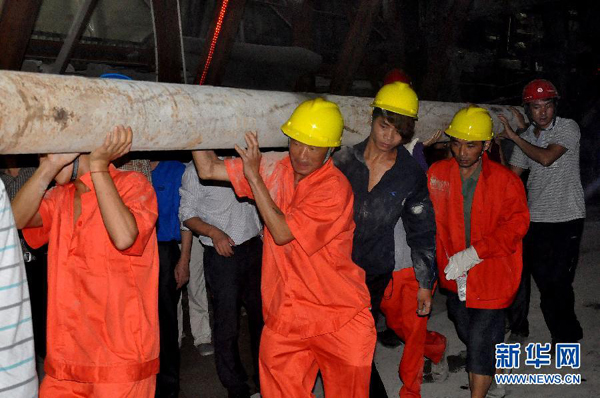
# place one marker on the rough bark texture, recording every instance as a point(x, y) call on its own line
point(51, 113)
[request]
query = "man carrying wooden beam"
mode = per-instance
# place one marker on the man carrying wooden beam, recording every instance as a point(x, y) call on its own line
point(315, 301)
point(102, 271)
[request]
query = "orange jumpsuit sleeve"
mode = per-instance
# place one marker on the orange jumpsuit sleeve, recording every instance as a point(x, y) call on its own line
point(37, 237)
point(235, 171)
point(139, 197)
point(321, 216)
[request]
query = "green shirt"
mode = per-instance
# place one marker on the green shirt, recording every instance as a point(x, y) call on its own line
point(468, 191)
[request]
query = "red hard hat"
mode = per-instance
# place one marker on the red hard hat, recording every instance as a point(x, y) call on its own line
point(396, 75)
point(539, 89)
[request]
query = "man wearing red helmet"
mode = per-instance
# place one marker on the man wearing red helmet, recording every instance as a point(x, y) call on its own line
point(549, 149)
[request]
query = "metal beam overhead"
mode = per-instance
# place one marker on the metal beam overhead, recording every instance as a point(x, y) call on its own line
point(354, 47)
point(168, 40)
point(227, 29)
point(77, 28)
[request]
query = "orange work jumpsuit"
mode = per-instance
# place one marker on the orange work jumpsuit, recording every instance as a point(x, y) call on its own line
point(499, 220)
point(102, 303)
point(315, 301)
point(399, 305)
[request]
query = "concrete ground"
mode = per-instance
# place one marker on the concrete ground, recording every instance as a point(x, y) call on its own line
point(199, 379)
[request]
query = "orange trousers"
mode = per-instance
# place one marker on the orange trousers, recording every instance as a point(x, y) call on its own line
point(53, 388)
point(289, 365)
point(399, 305)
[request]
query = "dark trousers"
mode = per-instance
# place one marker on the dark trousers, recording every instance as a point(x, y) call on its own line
point(480, 330)
point(36, 268)
point(376, 285)
point(167, 380)
point(233, 281)
point(550, 255)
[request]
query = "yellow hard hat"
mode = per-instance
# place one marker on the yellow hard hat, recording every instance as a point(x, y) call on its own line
point(397, 97)
point(472, 124)
point(316, 122)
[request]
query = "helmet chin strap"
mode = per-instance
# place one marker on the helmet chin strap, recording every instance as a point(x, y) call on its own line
point(75, 169)
point(328, 155)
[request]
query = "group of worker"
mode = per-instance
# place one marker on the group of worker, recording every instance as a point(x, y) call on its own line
point(348, 234)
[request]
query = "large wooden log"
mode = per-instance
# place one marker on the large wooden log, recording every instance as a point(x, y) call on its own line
point(50, 114)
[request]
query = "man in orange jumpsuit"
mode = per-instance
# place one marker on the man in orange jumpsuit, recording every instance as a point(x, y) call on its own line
point(315, 301)
point(102, 272)
point(481, 216)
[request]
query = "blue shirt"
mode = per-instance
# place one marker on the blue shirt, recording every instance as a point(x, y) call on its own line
point(166, 179)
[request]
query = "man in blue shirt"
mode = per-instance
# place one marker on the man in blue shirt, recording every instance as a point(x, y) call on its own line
point(173, 271)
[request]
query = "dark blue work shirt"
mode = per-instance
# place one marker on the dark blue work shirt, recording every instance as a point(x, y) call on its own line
point(400, 194)
point(166, 179)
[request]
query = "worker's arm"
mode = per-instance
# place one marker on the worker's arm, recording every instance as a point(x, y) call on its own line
point(210, 167)
point(118, 220)
point(221, 241)
point(272, 216)
point(418, 219)
point(27, 202)
point(544, 156)
point(182, 269)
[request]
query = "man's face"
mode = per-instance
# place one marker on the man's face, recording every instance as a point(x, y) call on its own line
point(542, 112)
point(467, 153)
point(306, 158)
point(384, 135)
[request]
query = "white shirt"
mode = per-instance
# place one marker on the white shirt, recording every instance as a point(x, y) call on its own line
point(215, 203)
point(18, 378)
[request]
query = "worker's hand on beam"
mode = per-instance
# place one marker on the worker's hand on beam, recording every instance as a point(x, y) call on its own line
point(508, 132)
point(521, 124)
point(250, 156)
point(116, 144)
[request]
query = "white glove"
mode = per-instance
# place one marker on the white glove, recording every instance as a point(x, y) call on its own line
point(461, 262)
